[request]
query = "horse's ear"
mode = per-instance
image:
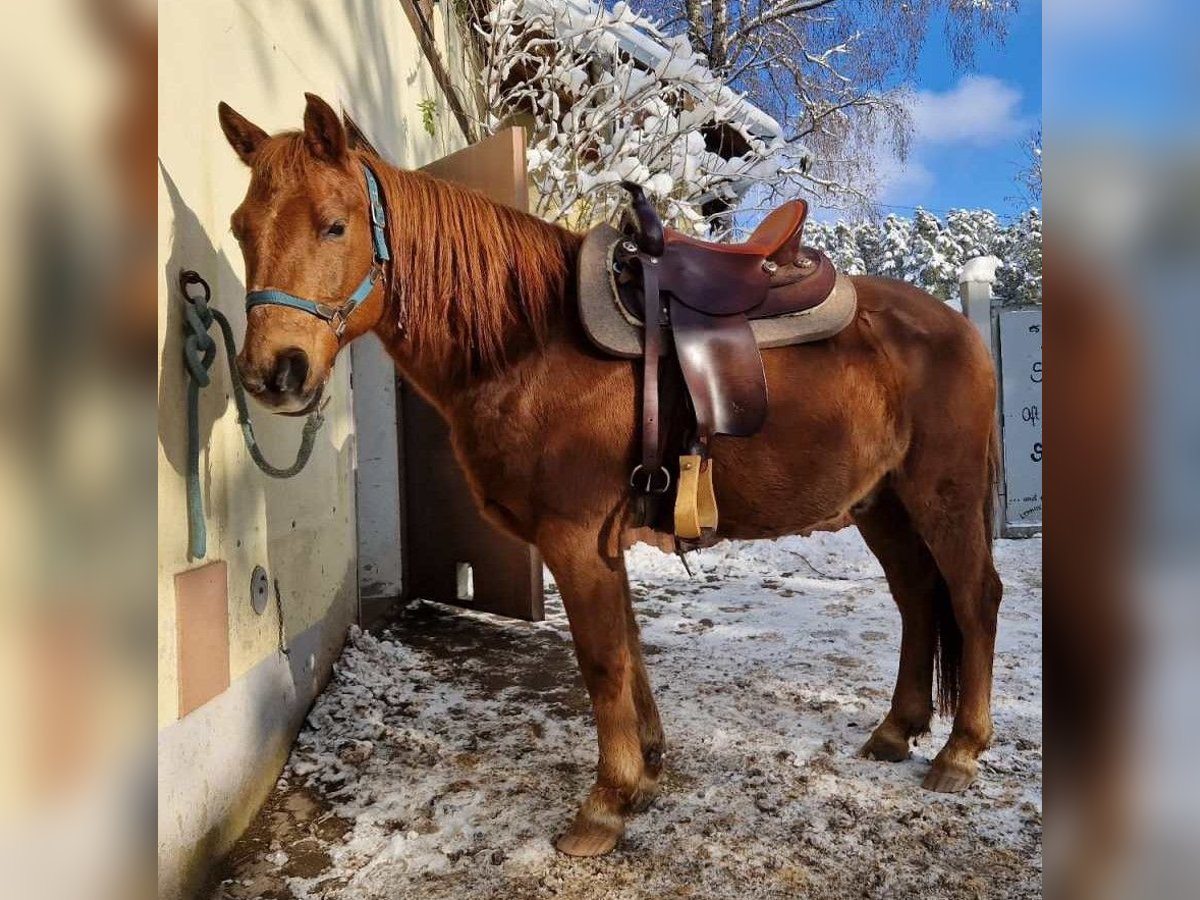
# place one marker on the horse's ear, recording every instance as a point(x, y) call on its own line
point(323, 131)
point(243, 135)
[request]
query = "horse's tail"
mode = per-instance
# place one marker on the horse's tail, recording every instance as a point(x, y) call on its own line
point(949, 650)
point(949, 636)
point(993, 486)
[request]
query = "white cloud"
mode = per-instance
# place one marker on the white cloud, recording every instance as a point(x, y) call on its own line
point(978, 110)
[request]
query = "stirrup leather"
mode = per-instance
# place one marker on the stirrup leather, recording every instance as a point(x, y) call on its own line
point(695, 501)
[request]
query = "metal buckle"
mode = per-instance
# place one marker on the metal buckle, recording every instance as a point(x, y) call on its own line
point(650, 476)
point(338, 321)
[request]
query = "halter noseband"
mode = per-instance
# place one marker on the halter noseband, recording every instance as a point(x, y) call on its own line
point(337, 316)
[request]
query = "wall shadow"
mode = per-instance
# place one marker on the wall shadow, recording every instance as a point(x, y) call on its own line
point(191, 248)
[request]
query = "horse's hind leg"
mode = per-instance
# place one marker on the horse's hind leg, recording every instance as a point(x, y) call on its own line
point(950, 511)
point(596, 597)
point(917, 587)
point(650, 733)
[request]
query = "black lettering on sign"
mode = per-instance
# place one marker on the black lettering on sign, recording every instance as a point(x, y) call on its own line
point(1036, 375)
point(1036, 455)
point(1031, 415)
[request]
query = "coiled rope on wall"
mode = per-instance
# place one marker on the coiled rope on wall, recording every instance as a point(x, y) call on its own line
point(199, 351)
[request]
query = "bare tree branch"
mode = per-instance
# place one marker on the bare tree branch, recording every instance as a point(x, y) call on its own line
point(825, 68)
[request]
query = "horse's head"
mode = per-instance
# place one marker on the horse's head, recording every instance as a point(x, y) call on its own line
point(312, 249)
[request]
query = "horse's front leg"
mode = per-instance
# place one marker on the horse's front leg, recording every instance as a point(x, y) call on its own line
point(596, 597)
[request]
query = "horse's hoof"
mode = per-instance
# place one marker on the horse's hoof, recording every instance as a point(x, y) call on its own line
point(887, 744)
point(949, 778)
point(589, 837)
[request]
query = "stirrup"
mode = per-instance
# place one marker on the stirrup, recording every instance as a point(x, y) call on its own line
point(695, 501)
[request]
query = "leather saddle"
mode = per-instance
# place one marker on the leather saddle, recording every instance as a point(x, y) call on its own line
point(709, 305)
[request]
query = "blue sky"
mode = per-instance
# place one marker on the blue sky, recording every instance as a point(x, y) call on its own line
point(1123, 66)
point(971, 124)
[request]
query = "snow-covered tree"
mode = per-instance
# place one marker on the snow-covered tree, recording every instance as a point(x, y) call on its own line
point(975, 232)
point(597, 115)
point(933, 255)
point(1019, 247)
point(840, 241)
point(929, 252)
point(870, 246)
point(895, 257)
point(828, 71)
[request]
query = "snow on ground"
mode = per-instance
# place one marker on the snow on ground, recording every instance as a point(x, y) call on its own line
point(446, 753)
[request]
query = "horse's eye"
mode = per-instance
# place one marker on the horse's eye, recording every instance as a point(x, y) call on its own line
point(337, 229)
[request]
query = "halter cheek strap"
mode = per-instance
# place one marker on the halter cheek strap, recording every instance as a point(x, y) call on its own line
point(337, 316)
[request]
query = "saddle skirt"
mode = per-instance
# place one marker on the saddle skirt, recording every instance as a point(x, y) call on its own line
point(612, 314)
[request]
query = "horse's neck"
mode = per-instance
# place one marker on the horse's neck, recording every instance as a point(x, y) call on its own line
point(443, 372)
point(454, 391)
point(497, 419)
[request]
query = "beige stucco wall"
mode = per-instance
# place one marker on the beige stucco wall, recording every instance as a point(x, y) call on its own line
point(261, 57)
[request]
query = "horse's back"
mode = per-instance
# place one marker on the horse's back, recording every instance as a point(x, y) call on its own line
point(911, 320)
point(946, 373)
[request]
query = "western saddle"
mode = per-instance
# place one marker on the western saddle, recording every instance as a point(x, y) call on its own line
point(710, 299)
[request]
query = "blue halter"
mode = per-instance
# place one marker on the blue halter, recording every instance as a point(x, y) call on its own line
point(336, 316)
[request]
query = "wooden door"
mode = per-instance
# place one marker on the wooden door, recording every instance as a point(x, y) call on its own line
point(452, 554)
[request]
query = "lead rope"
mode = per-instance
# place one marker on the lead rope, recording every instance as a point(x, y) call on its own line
point(199, 350)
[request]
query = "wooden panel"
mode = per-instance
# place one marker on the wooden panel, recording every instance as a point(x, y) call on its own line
point(202, 632)
point(494, 167)
point(443, 528)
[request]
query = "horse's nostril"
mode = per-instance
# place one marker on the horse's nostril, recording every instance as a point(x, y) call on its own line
point(249, 377)
point(291, 371)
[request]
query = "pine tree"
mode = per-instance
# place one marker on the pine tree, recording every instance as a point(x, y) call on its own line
point(894, 240)
point(930, 253)
point(975, 232)
point(870, 246)
point(839, 241)
point(1019, 278)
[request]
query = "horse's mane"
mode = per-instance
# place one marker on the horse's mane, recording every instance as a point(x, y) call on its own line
point(469, 268)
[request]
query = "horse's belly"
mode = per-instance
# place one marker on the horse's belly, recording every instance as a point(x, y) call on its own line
point(830, 437)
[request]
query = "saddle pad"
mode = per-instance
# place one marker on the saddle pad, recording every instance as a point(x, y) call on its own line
point(614, 331)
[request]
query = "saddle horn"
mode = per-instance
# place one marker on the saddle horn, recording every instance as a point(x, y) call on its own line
point(650, 237)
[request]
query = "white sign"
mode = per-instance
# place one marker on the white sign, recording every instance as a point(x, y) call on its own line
point(1021, 385)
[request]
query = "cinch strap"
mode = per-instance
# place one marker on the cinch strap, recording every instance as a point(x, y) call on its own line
point(336, 316)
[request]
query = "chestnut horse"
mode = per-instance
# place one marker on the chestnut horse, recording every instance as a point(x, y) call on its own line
point(889, 425)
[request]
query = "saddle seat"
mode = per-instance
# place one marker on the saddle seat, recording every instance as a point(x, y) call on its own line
point(769, 275)
point(772, 234)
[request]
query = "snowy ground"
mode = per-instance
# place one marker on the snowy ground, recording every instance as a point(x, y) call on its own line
point(447, 753)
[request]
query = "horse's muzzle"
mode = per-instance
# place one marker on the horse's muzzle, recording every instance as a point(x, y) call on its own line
point(282, 388)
